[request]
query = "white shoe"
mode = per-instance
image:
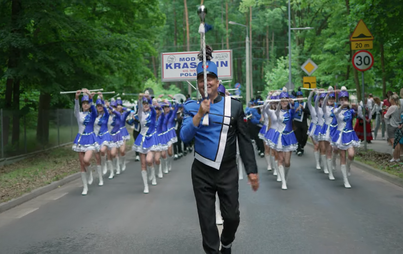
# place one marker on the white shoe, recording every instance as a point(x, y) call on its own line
point(103, 164)
point(345, 178)
point(123, 163)
point(90, 178)
point(101, 180)
point(117, 165)
point(165, 165)
point(175, 156)
point(137, 158)
point(329, 165)
point(281, 172)
point(145, 182)
point(160, 175)
point(393, 160)
point(317, 157)
point(110, 166)
point(85, 183)
point(324, 161)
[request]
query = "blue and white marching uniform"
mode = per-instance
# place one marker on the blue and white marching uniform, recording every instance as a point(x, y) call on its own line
point(171, 134)
point(272, 134)
point(85, 139)
point(286, 141)
point(314, 118)
point(320, 118)
point(265, 126)
point(101, 127)
point(123, 130)
point(114, 124)
point(328, 118)
point(345, 137)
point(147, 139)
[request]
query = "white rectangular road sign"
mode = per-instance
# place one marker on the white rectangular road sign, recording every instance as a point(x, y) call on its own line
point(181, 66)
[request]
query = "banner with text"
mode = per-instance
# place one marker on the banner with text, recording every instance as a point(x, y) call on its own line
point(181, 66)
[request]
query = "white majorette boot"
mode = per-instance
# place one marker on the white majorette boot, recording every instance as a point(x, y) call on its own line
point(117, 163)
point(334, 157)
point(145, 182)
point(281, 172)
point(317, 157)
point(324, 161)
point(286, 171)
point(89, 171)
point(218, 217)
point(123, 163)
point(267, 157)
point(272, 165)
point(330, 166)
point(169, 159)
point(101, 180)
point(277, 170)
point(152, 177)
point(160, 175)
point(349, 167)
point(103, 165)
point(164, 165)
point(110, 166)
point(345, 178)
point(85, 183)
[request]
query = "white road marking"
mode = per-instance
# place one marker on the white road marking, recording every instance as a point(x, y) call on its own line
point(56, 196)
point(23, 212)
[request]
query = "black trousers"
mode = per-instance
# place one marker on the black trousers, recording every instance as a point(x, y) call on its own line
point(135, 134)
point(254, 134)
point(207, 182)
point(178, 144)
point(301, 130)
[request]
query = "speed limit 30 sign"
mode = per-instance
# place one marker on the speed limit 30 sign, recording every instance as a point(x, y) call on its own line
point(363, 60)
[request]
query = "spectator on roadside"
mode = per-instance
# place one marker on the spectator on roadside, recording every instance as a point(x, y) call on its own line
point(393, 118)
point(370, 101)
point(377, 111)
point(363, 119)
point(385, 105)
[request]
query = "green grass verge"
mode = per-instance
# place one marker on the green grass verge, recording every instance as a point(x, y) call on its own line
point(37, 171)
point(380, 161)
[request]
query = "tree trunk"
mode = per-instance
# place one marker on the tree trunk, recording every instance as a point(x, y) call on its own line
point(383, 71)
point(175, 26)
point(226, 22)
point(357, 85)
point(16, 114)
point(272, 44)
point(267, 44)
point(7, 112)
point(42, 130)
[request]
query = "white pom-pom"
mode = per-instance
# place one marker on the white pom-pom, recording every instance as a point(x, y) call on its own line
point(147, 92)
point(343, 88)
point(119, 98)
point(284, 89)
point(330, 88)
point(113, 99)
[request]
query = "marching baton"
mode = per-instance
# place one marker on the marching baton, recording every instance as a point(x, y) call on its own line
point(202, 11)
point(308, 88)
point(108, 92)
point(338, 91)
point(296, 99)
point(191, 85)
point(94, 90)
point(231, 89)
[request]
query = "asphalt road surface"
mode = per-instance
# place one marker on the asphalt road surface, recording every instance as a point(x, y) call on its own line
point(314, 215)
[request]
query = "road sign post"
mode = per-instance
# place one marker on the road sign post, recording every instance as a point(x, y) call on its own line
point(363, 61)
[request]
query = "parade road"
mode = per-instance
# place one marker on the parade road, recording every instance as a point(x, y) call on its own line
point(314, 215)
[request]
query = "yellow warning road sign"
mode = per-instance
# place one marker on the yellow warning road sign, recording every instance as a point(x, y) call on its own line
point(358, 45)
point(309, 82)
point(361, 33)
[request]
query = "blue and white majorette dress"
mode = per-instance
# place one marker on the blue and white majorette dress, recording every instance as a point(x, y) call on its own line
point(328, 118)
point(321, 120)
point(314, 117)
point(286, 142)
point(147, 139)
point(265, 127)
point(123, 130)
point(85, 139)
point(333, 124)
point(114, 124)
point(345, 137)
point(160, 137)
point(272, 134)
point(171, 134)
point(101, 127)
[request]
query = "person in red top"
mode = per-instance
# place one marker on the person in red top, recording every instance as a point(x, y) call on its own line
point(385, 105)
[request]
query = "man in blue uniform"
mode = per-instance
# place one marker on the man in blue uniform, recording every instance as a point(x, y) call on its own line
point(214, 169)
